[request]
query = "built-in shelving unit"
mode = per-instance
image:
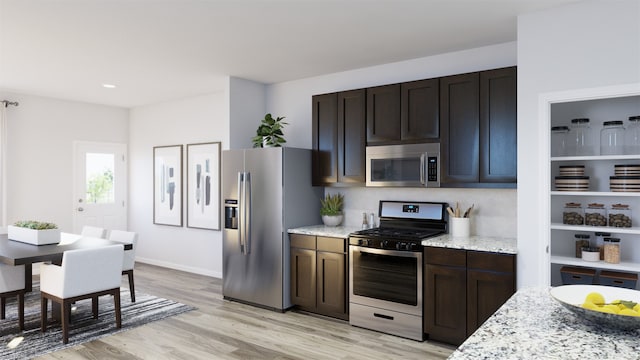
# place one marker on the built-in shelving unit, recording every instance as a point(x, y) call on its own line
point(562, 248)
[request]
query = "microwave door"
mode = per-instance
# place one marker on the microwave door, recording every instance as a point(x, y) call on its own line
point(395, 170)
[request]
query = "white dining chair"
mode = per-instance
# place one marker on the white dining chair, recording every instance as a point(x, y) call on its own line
point(12, 283)
point(93, 231)
point(127, 237)
point(83, 274)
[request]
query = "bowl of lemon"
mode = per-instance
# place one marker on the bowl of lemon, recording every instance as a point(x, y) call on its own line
point(608, 306)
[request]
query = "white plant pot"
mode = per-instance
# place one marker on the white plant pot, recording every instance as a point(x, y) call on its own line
point(332, 220)
point(33, 237)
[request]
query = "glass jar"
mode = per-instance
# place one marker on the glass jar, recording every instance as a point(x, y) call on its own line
point(573, 214)
point(620, 215)
point(632, 136)
point(582, 241)
point(559, 140)
point(595, 215)
point(600, 236)
point(582, 140)
point(612, 250)
point(612, 138)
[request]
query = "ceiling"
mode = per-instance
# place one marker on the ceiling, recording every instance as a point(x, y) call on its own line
point(160, 50)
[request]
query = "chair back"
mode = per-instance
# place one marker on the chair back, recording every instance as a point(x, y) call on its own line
point(85, 271)
point(92, 231)
point(126, 237)
point(11, 278)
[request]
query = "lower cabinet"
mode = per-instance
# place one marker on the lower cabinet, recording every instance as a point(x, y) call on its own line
point(462, 289)
point(319, 275)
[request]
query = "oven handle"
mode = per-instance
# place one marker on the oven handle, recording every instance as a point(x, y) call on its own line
point(362, 249)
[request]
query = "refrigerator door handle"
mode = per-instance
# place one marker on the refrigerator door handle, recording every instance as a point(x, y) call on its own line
point(244, 218)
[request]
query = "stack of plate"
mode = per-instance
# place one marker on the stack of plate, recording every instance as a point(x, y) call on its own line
point(572, 179)
point(626, 179)
point(572, 170)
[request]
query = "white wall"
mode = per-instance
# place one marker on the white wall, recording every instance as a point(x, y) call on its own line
point(193, 120)
point(496, 208)
point(41, 132)
point(246, 110)
point(585, 45)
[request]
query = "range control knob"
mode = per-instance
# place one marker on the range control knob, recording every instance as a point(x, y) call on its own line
point(384, 244)
point(401, 246)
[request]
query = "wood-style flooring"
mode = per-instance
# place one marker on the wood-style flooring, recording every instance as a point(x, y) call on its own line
point(221, 329)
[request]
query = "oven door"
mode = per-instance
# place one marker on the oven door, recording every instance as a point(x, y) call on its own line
point(386, 279)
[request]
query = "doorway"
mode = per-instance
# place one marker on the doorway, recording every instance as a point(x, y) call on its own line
point(100, 185)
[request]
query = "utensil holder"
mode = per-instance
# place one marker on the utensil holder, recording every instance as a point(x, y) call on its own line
point(460, 227)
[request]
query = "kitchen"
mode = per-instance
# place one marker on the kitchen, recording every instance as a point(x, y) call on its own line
point(505, 212)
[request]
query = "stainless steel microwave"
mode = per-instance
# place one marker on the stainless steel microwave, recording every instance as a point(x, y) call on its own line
point(411, 165)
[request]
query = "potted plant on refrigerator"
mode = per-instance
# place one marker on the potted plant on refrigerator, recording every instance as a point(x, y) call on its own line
point(269, 133)
point(331, 209)
point(34, 232)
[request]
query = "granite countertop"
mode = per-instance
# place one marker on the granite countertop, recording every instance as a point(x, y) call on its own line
point(478, 243)
point(322, 230)
point(532, 325)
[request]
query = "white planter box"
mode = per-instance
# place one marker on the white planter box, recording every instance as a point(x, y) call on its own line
point(34, 237)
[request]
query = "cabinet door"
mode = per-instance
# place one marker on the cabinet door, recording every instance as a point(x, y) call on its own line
point(498, 126)
point(351, 137)
point(331, 287)
point(419, 112)
point(459, 128)
point(445, 300)
point(325, 139)
point(383, 114)
point(486, 292)
point(303, 278)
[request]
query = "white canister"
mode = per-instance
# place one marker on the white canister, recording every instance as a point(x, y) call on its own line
point(460, 226)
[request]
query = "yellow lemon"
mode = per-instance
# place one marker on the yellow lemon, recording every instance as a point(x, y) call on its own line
point(605, 309)
point(589, 305)
point(628, 312)
point(613, 308)
point(637, 307)
point(595, 297)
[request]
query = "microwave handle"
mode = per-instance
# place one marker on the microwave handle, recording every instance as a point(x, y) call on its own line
point(423, 168)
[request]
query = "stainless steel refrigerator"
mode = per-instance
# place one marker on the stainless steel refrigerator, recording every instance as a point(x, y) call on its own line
point(266, 191)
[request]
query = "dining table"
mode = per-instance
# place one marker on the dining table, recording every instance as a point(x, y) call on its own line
point(15, 253)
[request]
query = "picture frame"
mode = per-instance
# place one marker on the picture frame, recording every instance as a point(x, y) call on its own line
point(167, 185)
point(203, 185)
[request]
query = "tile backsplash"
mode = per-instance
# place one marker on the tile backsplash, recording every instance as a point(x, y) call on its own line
point(494, 212)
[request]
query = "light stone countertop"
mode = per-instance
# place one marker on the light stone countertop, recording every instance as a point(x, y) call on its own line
point(322, 230)
point(478, 243)
point(532, 325)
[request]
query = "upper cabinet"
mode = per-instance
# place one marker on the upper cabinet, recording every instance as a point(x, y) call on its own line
point(473, 116)
point(339, 138)
point(478, 123)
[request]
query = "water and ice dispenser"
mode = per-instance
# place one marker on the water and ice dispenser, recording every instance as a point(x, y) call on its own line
point(230, 214)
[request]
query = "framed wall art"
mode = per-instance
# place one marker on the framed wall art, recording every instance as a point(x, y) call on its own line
point(203, 185)
point(167, 185)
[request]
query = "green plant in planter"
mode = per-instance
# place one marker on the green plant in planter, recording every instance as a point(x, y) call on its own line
point(35, 225)
point(269, 132)
point(332, 205)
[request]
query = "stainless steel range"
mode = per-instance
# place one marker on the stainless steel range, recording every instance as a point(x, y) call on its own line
point(385, 271)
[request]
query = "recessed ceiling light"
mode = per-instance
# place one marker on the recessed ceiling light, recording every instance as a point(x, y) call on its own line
point(109, 86)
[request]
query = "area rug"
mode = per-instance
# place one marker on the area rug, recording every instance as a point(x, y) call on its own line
point(146, 309)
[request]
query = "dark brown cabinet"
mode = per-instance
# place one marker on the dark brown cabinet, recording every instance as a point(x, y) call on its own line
point(319, 275)
point(338, 122)
point(478, 123)
point(463, 289)
point(445, 299)
point(403, 113)
point(383, 114)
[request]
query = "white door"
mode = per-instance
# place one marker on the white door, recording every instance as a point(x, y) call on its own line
point(100, 185)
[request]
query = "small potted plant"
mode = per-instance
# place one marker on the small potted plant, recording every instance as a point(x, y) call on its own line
point(269, 133)
point(331, 209)
point(34, 232)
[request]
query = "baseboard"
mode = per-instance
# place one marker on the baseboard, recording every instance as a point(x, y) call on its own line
point(180, 267)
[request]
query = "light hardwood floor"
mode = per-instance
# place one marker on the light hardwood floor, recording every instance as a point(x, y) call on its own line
point(221, 329)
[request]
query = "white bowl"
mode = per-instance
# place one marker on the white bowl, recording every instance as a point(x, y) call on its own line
point(572, 297)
